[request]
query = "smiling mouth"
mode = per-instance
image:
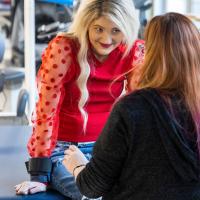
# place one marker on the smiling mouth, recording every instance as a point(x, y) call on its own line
point(105, 46)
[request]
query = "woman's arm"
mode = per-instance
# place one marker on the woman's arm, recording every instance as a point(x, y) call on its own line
point(109, 154)
point(51, 77)
point(55, 63)
point(50, 80)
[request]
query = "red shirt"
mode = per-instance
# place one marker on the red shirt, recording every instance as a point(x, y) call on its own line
point(57, 116)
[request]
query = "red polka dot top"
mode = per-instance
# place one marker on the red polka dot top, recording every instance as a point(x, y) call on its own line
point(56, 116)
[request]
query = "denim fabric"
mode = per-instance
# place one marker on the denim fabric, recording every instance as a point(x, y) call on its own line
point(61, 179)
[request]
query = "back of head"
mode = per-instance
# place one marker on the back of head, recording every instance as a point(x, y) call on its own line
point(172, 60)
point(122, 13)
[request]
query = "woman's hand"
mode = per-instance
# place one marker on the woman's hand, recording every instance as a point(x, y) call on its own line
point(29, 187)
point(73, 158)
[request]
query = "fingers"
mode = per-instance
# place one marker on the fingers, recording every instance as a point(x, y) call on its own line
point(71, 149)
point(22, 188)
point(41, 188)
point(68, 152)
point(29, 187)
point(64, 162)
point(17, 187)
point(34, 190)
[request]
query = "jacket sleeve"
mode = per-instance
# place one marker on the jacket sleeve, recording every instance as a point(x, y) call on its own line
point(50, 80)
point(109, 154)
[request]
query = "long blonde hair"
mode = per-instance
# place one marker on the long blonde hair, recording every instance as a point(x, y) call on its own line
point(122, 13)
point(172, 60)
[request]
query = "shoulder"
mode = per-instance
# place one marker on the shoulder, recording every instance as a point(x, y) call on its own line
point(137, 50)
point(63, 42)
point(133, 109)
point(132, 98)
point(136, 53)
point(136, 101)
point(139, 43)
point(58, 60)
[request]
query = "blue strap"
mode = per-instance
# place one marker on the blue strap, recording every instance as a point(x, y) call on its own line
point(63, 2)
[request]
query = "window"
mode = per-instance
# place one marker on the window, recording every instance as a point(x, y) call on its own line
point(176, 6)
point(195, 7)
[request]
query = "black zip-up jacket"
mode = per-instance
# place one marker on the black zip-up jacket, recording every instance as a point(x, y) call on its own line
point(144, 152)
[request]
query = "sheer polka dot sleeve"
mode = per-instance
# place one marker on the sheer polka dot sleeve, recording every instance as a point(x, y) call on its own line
point(134, 75)
point(50, 79)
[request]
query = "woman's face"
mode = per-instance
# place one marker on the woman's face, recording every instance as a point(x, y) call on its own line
point(104, 36)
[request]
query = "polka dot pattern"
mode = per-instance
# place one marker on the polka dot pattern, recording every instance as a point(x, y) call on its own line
point(50, 79)
point(135, 73)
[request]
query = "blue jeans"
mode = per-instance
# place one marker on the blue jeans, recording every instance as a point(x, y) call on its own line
point(61, 179)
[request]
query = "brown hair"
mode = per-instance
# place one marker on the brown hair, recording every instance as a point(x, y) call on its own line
point(172, 60)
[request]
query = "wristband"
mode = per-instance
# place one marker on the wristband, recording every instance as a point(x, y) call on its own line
point(77, 167)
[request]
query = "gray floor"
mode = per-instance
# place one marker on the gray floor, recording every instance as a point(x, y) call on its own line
point(13, 154)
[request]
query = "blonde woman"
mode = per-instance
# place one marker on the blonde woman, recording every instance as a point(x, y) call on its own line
point(150, 146)
point(81, 76)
